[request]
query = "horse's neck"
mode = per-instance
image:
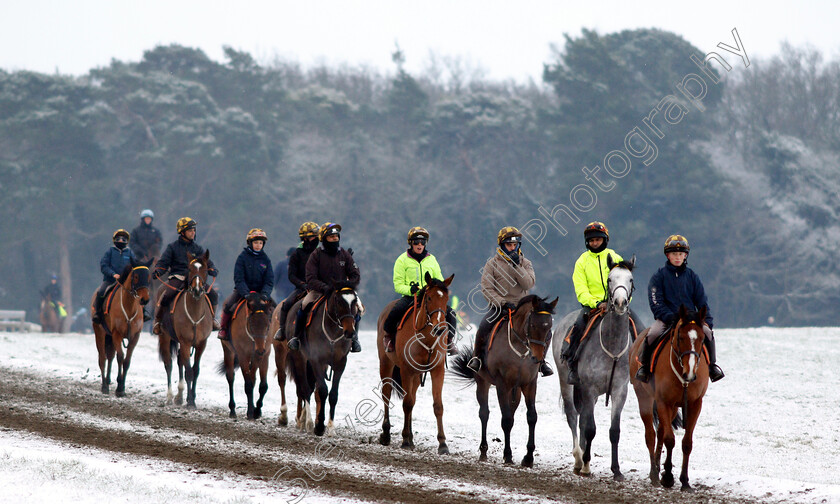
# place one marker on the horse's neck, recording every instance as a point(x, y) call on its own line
point(613, 323)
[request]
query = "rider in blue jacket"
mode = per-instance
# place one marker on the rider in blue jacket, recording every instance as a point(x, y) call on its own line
point(112, 263)
point(252, 277)
point(673, 285)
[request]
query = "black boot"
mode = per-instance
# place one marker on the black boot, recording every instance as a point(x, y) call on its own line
point(97, 309)
point(715, 372)
point(643, 374)
point(355, 347)
point(573, 377)
point(146, 316)
point(300, 323)
point(545, 369)
point(280, 335)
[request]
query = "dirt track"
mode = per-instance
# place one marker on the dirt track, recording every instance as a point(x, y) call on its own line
point(206, 440)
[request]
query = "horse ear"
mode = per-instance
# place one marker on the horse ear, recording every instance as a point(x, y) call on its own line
point(610, 262)
point(190, 257)
point(449, 280)
point(428, 278)
point(554, 303)
point(206, 255)
point(633, 261)
point(702, 314)
point(148, 263)
point(683, 312)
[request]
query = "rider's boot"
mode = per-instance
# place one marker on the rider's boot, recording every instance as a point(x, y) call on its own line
point(545, 369)
point(224, 331)
point(97, 309)
point(477, 360)
point(355, 347)
point(388, 342)
point(715, 372)
point(300, 323)
point(568, 353)
point(643, 374)
point(280, 335)
point(146, 316)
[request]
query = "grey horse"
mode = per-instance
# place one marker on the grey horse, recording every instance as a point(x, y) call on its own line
point(603, 367)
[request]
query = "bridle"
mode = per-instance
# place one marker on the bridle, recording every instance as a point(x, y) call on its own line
point(338, 318)
point(195, 283)
point(526, 340)
point(676, 339)
point(423, 307)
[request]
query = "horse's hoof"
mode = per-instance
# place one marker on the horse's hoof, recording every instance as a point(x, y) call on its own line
point(106, 390)
point(508, 460)
point(482, 457)
point(443, 449)
point(577, 470)
point(585, 471)
point(319, 430)
point(687, 489)
point(668, 480)
point(618, 476)
point(385, 439)
point(528, 461)
point(120, 393)
point(191, 405)
point(257, 414)
point(283, 421)
point(232, 414)
point(407, 445)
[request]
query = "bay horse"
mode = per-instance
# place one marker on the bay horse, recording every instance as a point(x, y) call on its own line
point(601, 368)
point(325, 345)
point(512, 364)
point(281, 360)
point(419, 347)
point(185, 329)
point(679, 380)
point(247, 349)
point(122, 322)
point(49, 317)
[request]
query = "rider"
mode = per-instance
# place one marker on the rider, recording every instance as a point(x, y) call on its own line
point(506, 278)
point(590, 282)
point(327, 264)
point(252, 278)
point(112, 263)
point(673, 285)
point(53, 290)
point(145, 238)
point(308, 233)
point(174, 260)
point(409, 272)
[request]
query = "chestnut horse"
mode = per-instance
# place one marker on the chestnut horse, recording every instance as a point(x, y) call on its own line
point(123, 319)
point(419, 347)
point(679, 380)
point(326, 344)
point(248, 351)
point(49, 317)
point(185, 328)
point(512, 364)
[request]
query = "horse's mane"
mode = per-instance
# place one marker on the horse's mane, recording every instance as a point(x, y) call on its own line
point(434, 283)
point(124, 274)
point(626, 265)
point(542, 306)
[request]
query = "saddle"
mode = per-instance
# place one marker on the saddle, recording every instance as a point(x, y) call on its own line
point(505, 316)
point(109, 297)
point(406, 314)
point(594, 315)
point(313, 308)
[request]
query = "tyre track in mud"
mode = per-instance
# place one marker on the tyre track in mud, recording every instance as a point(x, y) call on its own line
point(52, 407)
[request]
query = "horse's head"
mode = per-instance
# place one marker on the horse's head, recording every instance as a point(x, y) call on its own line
point(620, 284)
point(196, 281)
point(137, 279)
point(435, 297)
point(532, 320)
point(345, 306)
point(257, 321)
point(687, 342)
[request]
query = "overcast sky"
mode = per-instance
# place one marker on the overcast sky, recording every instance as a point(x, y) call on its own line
point(506, 39)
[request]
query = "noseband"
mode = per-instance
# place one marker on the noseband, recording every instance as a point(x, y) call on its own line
point(526, 340)
point(675, 352)
point(134, 289)
point(429, 314)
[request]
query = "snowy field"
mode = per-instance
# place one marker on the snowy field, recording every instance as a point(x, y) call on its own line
point(769, 431)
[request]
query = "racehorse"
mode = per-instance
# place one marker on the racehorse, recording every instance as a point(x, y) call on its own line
point(601, 368)
point(123, 319)
point(248, 350)
point(49, 317)
point(326, 344)
point(281, 358)
point(679, 380)
point(419, 347)
point(512, 365)
point(185, 328)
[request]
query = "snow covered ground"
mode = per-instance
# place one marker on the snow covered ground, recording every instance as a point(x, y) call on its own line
point(770, 430)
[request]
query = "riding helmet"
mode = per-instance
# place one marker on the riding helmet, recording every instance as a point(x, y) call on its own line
point(596, 230)
point(147, 213)
point(509, 234)
point(417, 232)
point(328, 229)
point(255, 234)
point(308, 230)
point(184, 223)
point(121, 232)
point(676, 243)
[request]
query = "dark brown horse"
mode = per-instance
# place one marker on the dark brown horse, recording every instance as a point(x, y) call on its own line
point(49, 317)
point(512, 365)
point(281, 360)
point(419, 347)
point(679, 380)
point(325, 345)
point(185, 328)
point(122, 320)
point(249, 351)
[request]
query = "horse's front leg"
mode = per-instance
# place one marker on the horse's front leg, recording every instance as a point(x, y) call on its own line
point(481, 394)
point(132, 342)
point(104, 359)
point(263, 368)
point(567, 402)
point(280, 363)
point(117, 338)
point(666, 438)
point(321, 398)
point(690, 423)
point(230, 375)
point(386, 387)
point(506, 401)
point(182, 382)
point(587, 428)
point(196, 367)
point(619, 398)
point(338, 371)
point(249, 377)
point(530, 392)
point(411, 381)
point(437, 400)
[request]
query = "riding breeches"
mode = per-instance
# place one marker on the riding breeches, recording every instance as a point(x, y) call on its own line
point(231, 301)
point(658, 327)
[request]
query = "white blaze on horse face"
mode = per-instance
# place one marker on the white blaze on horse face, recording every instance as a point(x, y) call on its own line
point(349, 298)
point(692, 358)
point(621, 283)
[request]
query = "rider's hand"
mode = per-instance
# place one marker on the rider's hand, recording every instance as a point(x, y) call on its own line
point(508, 306)
point(414, 287)
point(264, 297)
point(602, 305)
point(116, 276)
point(252, 296)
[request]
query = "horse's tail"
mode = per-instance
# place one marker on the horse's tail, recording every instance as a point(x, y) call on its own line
point(458, 366)
point(290, 369)
point(677, 423)
point(173, 350)
point(221, 368)
point(109, 344)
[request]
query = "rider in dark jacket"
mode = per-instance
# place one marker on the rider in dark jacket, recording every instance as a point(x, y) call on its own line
point(112, 263)
point(252, 276)
point(174, 261)
point(327, 264)
point(308, 234)
point(146, 239)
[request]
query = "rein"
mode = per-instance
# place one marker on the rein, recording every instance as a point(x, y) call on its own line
point(527, 340)
point(674, 341)
point(601, 336)
point(333, 320)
